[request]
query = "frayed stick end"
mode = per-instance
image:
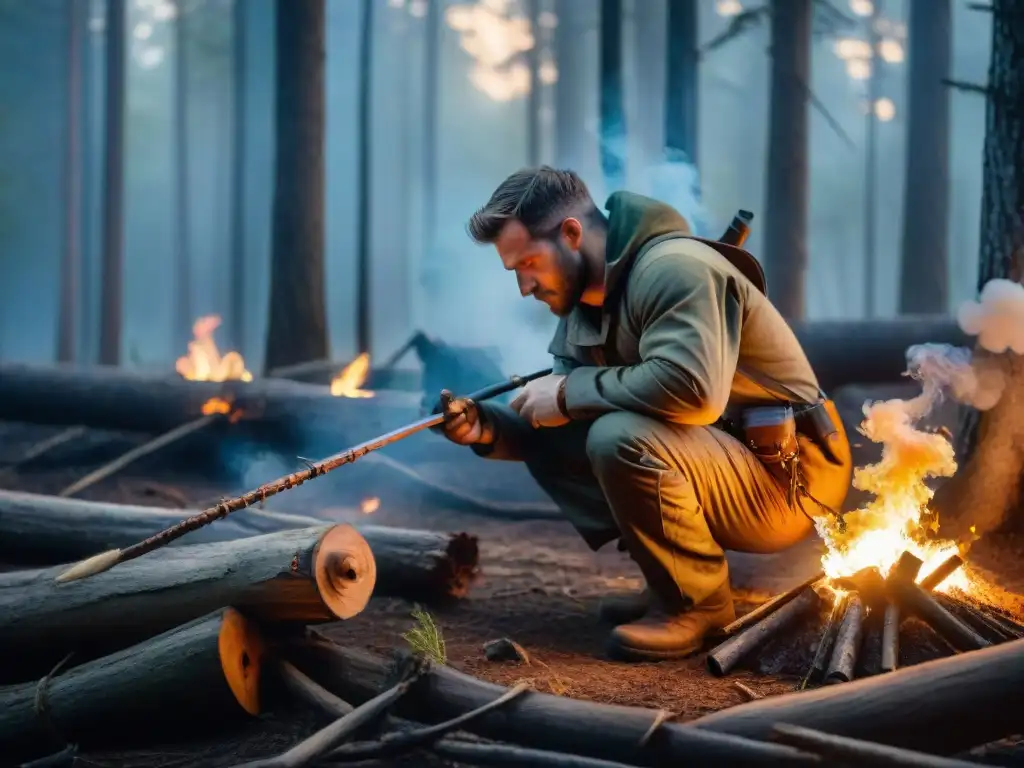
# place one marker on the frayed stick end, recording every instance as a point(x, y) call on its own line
point(91, 566)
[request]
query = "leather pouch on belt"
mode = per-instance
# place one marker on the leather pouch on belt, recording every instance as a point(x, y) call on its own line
point(770, 432)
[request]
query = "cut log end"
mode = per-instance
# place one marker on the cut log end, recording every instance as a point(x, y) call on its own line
point(241, 651)
point(345, 571)
point(457, 572)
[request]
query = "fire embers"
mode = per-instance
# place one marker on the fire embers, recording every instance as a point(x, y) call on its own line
point(868, 607)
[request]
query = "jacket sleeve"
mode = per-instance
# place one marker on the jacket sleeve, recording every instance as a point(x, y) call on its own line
point(512, 432)
point(688, 318)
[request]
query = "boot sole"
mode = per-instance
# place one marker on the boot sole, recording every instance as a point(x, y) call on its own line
point(621, 652)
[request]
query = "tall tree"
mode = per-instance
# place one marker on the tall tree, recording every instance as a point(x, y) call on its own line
point(987, 491)
point(431, 99)
point(785, 237)
point(681, 62)
point(612, 107)
point(77, 17)
point(533, 105)
point(569, 97)
point(924, 274)
point(297, 323)
point(364, 317)
point(183, 315)
point(239, 82)
point(112, 265)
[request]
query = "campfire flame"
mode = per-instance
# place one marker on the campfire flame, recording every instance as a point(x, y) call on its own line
point(369, 505)
point(216, 405)
point(348, 383)
point(204, 361)
point(897, 519)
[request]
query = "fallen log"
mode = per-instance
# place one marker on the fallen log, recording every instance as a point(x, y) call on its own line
point(941, 707)
point(205, 673)
point(306, 575)
point(854, 752)
point(275, 410)
point(36, 530)
point(871, 351)
point(535, 720)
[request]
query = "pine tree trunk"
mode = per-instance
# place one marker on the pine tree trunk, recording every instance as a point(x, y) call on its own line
point(785, 238)
point(986, 492)
point(681, 81)
point(364, 325)
point(612, 108)
point(924, 279)
point(569, 97)
point(183, 318)
point(297, 326)
point(112, 268)
point(71, 268)
point(239, 82)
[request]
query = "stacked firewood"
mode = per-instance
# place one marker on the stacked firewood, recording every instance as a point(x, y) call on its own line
point(963, 623)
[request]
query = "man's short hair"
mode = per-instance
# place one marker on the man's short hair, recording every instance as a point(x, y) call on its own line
point(538, 198)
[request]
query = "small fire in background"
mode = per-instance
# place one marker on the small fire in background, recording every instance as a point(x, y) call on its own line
point(216, 405)
point(348, 383)
point(204, 361)
point(370, 505)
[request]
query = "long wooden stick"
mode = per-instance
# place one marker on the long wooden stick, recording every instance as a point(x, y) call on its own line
point(856, 752)
point(107, 560)
point(45, 446)
point(130, 457)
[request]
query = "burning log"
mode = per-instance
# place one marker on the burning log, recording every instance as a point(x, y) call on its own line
point(942, 707)
point(35, 530)
point(769, 606)
point(117, 399)
point(306, 575)
point(726, 656)
point(823, 652)
point(848, 641)
point(914, 599)
point(534, 720)
point(891, 637)
point(204, 672)
point(945, 569)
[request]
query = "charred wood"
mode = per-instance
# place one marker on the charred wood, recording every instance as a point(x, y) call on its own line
point(848, 642)
point(992, 631)
point(941, 707)
point(534, 720)
point(726, 656)
point(40, 530)
point(891, 637)
point(923, 604)
point(769, 606)
point(944, 570)
point(207, 671)
point(282, 412)
point(306, 575)
point(823, 651)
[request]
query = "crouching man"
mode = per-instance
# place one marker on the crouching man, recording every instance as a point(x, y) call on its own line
point(682, 415)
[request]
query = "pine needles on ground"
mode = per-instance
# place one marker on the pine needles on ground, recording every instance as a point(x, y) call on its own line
point(425, 638)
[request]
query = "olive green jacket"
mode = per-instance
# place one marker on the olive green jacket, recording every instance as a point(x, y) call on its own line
point(681, 337)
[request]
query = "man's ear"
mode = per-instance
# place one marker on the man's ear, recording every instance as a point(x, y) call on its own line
point(572, 231)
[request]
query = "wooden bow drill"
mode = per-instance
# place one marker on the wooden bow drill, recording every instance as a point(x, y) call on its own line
point(107, 560)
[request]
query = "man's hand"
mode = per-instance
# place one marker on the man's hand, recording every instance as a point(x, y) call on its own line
point(462, 422)
point(538, 402)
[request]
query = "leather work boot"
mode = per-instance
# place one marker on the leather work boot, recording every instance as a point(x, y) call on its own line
point(623, 609)
point(664, 634)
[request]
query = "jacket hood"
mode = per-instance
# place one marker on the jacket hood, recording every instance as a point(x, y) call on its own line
point(632, 221)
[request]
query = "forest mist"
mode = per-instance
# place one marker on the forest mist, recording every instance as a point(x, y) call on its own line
point(441, 282)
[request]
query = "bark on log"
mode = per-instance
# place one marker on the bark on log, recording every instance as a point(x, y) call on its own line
point(307, 575)
point(839, 351)
point(535, 720)
point(204, 673)
point(426, 566)
point(118, 399)
point(940, 707)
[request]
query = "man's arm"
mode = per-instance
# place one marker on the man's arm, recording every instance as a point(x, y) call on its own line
point(512, 433)
point(689, 318)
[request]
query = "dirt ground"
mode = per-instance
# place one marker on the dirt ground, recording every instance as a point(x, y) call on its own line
point(539, 586)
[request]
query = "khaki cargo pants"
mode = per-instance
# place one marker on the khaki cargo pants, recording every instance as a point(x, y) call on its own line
point(678, 495)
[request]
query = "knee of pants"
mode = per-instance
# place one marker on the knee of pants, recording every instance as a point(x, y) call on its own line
point(619, 440)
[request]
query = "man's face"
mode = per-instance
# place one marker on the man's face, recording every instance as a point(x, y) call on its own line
point(547, 269)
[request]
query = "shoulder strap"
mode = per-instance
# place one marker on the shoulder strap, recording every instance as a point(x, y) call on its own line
point(741, 259)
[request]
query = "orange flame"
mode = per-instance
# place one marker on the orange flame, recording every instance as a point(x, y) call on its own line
point(370, 505)
point(216, 405)
point(348, 383)
point(204, 361)
point(896, 519)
